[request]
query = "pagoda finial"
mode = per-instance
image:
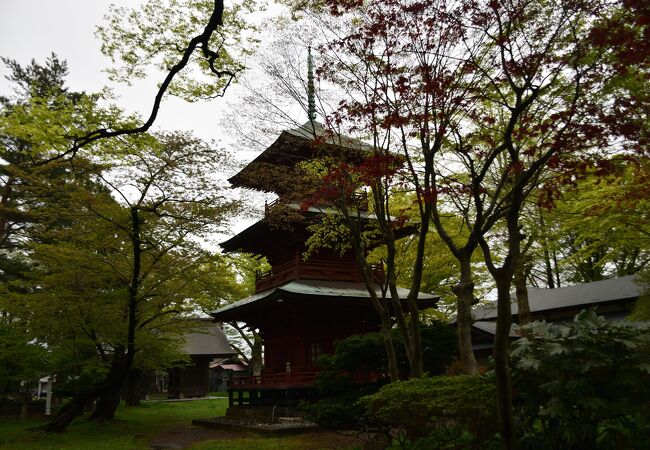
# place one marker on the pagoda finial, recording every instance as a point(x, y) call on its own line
point(311, 94)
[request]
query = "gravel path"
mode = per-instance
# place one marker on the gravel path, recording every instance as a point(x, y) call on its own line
point(186, 435)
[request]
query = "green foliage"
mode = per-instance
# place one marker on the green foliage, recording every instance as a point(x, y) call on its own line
point(449, 411)
point(21, 359)
point(438, 346)
point(585, 384)
point(360, 352)
point(156, 34)
point(359, 367)
point(599, 228)
point(109, 241)
point(365, 353)
point(641, 310)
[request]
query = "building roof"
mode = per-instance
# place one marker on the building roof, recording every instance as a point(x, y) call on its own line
point(238, 367)
point(209, 341)
point(490, 327)
point(290, 148)
point(315, 130)
point(579, 295)
point(265, 234)
point(340, 291)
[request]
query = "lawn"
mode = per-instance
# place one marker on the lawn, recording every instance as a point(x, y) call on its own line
point(137, 428)
point(133, 428)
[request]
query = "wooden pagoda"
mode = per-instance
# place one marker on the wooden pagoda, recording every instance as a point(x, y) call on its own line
point(301, 307)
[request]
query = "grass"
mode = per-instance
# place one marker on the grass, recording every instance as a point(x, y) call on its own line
point(132, 429)
point(135, 428)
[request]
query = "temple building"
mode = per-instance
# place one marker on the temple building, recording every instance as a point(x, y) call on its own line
point(301, 307)
point(613, 299)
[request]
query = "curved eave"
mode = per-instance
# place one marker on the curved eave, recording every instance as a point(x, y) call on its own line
point(333, 292)
point(239, 241)
point(294, 146)
point(287, 151)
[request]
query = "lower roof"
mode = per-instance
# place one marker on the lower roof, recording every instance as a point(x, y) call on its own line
point(580, 295)
point(306, 290)
point(208, 340)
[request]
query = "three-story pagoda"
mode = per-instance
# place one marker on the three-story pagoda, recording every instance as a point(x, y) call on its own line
point(300, 306)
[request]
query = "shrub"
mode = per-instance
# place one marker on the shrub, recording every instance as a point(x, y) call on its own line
point(359, 367)
point(447, 411)
point(585, 384)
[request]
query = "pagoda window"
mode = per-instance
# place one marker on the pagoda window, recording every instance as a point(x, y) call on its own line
point(314, 353)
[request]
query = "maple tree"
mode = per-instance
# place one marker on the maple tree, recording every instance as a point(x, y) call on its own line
point(490, 104)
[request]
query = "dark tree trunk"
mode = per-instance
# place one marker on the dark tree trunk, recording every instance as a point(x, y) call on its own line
point(379, 304)
point(108, 398)
point(393, 368)
point(256, 355)
point(4, 201)
point(107, 404)
point(64, 417)
point(502, 359)
point(464, 292)
point(133, 392)
point(523, 308)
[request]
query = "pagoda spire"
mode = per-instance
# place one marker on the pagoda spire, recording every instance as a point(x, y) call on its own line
point(311, 94)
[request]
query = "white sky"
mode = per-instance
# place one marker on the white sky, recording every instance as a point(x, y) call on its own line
point(32, 29)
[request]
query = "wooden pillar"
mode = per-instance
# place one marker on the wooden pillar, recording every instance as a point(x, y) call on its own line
point(48, 398)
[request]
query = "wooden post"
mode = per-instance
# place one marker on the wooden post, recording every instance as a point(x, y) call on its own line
point(48, 398)
point(23, 412)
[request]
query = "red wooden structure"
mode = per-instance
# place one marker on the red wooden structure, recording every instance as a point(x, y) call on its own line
point(301, 307)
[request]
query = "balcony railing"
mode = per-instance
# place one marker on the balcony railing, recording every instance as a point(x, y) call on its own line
point(313, 269)
point(360, 200)
point(274, 380)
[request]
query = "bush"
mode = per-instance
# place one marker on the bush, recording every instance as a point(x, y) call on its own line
point(443, 411)
point(585, 384)
point(337, 406)
point(359, 367)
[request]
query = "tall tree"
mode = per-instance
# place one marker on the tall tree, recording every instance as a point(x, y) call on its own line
point(33, 123)
point(491, 98)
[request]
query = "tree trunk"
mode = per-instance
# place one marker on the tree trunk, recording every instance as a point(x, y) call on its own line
point(132, 391)
point(108, 398)
point(523, 308)
point(106, 405)
point(393, 368)
point(4, 201)
point(464, 292)
point(64, 417)
point(378, 304)
point(256, 355)
point(502, 358)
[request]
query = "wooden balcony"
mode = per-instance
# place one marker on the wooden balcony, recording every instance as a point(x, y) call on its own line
point(274, 380)
point(360, 201)
point(313, 269)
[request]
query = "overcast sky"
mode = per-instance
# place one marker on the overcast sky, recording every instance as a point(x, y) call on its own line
point(32, 29)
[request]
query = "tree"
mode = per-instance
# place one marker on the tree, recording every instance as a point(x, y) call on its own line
point(492, 104)
point(409, 92)
point(583, 384)
point(32, 123)
point(134, 38)
point(223, 280)
point(130, 256)
point(598, 227)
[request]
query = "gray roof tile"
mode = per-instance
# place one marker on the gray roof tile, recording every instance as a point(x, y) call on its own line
point(584, 294)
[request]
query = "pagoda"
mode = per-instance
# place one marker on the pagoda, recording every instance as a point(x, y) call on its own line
point(301, 306)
